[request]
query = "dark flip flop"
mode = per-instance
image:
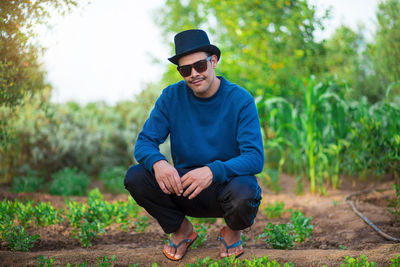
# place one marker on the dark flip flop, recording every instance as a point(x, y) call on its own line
point(187, 242)
point(222, 239)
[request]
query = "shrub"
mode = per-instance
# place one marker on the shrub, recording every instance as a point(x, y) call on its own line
point(27, 183)
point(69, 182)
point(113, 179)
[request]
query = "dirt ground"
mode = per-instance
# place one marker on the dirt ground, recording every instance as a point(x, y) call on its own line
point(338, 232)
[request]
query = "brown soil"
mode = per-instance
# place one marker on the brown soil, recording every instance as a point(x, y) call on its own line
point(338, 232)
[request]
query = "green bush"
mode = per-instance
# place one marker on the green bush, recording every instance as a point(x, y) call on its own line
point(69, 182)
point(113, 179)
point(27, 183)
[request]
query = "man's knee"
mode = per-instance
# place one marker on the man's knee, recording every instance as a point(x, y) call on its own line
point(134, 177)
point(240, 200)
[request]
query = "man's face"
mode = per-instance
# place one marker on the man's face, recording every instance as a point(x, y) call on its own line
point(201, 83)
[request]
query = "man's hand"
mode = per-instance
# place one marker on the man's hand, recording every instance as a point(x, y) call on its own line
point(196, 180)
point(167, 178)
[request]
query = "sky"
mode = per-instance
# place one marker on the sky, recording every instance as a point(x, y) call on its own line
point(106, 51)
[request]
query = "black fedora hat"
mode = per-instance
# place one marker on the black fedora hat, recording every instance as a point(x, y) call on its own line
point(192, 41)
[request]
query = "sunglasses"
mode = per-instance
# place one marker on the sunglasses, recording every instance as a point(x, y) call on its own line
point(199, 66)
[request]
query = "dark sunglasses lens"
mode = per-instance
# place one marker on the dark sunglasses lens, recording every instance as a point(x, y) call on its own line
point(185, 70)
point(200, 66)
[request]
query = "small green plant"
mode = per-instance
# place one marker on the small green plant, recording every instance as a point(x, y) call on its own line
point(231, 261)
point(394, 205)
point(357, 262)
point(88, 231)
point(302, 228)
point(27, 183)
point(274, 210)
point(334, 203)
point(69, 182)
point(395, 262)
point(284, 236)
point(17, 238)
point(106, 262)
point(141, 223)
point(45, 262)
point(75, 212)
point(24, 212)
point(45, 214)
point(278, 236)
point(342, 247)
point(113, 179)
point(201, 230)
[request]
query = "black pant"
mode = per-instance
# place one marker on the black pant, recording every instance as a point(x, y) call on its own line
point(237, 200)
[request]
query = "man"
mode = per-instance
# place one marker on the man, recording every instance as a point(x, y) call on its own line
point(216, 147)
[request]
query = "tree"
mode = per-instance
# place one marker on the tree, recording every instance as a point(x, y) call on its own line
point(268, 47)
point(386, 51)
point(20, 71)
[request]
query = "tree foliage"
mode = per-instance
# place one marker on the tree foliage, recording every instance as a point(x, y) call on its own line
point(20, 71)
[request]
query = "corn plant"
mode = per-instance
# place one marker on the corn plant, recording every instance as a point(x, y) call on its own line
point(394, 205)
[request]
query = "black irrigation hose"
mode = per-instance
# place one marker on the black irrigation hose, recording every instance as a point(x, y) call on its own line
point(347, 199)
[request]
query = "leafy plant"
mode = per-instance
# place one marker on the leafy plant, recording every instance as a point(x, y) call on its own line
point(113, 178)
point(395, 262)
point(17, 238)
point(201, 230)
point(88, 231)
point(69, 182)
point(357, 262)
point(24, 212)
point(45, 262)
point(274, 210)
point(302, 228)
point(45, 214)
point(141, 223)
point(278, 236)
point(263, 261)
point(284, 236)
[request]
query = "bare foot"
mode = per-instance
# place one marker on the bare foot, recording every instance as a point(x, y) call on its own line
point(183, 232)
point(230, 237)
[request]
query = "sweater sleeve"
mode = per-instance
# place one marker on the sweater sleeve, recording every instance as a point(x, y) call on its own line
point(251, 158)
point(155, 131)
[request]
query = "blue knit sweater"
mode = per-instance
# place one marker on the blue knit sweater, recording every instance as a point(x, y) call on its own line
point(222, 131)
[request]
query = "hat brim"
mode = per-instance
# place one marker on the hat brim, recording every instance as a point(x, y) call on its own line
point(207, 48)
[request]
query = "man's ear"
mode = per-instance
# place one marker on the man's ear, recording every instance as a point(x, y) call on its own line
point(214, 61)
